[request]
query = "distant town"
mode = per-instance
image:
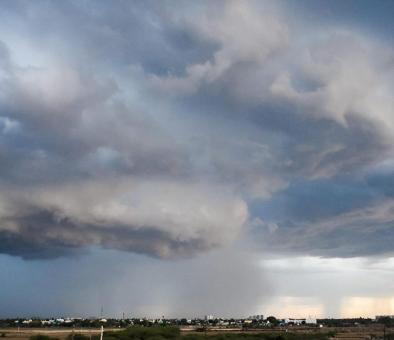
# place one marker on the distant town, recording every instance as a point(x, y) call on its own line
point(253, 321)
point(254, 327)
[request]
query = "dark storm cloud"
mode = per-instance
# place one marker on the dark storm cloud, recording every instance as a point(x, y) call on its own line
point(154, 129)
point(63, 126)
point(42, 234)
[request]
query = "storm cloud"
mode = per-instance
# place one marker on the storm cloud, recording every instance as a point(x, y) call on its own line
point(173, 130)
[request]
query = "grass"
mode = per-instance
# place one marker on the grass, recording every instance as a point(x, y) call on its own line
point(42, 337)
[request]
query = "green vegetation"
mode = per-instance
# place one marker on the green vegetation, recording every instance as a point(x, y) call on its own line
point(272, 320)
point(387, 321)
point(165, 333)
point(349, 322)
point(42, 337)
point(262, 336)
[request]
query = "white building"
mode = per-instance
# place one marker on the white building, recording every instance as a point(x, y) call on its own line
point(308, 321)
point(311, 321)
point(295, 321)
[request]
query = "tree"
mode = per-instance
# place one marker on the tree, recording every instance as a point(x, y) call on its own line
point(272, 319)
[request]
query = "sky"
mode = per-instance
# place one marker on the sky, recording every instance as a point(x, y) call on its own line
point(186, 158)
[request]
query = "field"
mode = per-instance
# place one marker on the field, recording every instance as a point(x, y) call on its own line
point(60, 333)
point(174, 333)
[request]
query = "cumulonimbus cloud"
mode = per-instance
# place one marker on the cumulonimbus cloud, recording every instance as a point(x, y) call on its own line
point(161, 131)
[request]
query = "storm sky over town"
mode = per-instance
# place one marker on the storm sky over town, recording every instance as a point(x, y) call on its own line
point(183, 158)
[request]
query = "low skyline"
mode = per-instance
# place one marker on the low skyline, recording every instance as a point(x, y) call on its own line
point(186, 158)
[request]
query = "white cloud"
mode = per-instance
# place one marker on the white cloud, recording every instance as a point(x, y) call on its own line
point(244, 34)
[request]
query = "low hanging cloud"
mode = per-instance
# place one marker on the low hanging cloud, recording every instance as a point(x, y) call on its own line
point(163, 219)
point(174, 143)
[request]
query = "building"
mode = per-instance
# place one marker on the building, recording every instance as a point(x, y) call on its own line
point(258, 317)
point(311, 320)
point(291, 321)
point(307, 321)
